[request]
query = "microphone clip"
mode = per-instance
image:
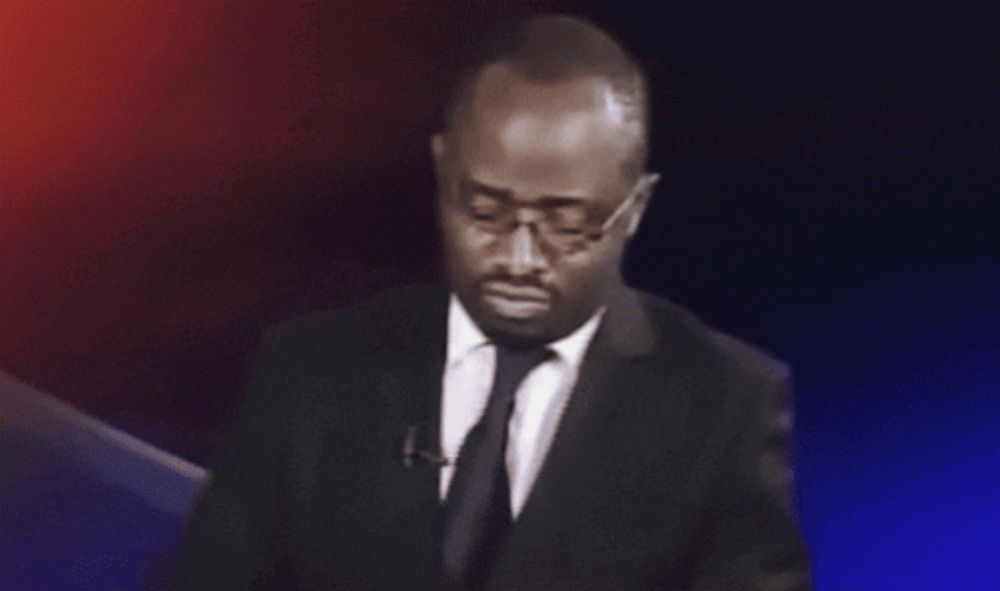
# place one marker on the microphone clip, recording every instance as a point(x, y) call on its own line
point(413, 456)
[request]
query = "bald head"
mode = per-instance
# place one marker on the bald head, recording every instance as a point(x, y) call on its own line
point(550, 53)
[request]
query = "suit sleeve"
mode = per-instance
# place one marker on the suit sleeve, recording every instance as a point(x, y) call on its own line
point(753, 541)
point(234, 535)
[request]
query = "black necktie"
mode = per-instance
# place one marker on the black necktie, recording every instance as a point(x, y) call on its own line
point(478, 515)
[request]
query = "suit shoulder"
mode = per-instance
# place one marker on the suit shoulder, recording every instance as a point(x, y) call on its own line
point(736, 355)
point(388, 315)
point(749, 357)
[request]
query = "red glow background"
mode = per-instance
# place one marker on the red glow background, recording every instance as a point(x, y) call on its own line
point(139, 139)
point(176, 174)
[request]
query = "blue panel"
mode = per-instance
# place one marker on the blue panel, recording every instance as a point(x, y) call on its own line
point(83, 506)
point(898, 437)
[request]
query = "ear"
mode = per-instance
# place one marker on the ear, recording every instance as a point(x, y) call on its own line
point(643, 194)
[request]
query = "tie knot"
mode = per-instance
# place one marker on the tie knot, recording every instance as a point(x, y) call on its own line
point(514, 364)
point(523, 357)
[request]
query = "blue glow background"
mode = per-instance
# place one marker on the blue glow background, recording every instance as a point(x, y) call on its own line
point(898, 439)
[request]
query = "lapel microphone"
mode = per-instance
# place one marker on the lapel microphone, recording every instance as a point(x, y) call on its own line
point(414, 455)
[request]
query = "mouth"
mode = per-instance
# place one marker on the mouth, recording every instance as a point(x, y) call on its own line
point(516, 302)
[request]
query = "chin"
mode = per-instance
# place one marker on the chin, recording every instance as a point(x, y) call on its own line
point(517, 332)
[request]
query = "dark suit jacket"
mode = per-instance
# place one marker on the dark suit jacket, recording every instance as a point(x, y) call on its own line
point(668, 470)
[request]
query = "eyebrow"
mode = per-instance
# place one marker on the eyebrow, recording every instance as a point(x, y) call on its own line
point(542, 200)
point(474, 185)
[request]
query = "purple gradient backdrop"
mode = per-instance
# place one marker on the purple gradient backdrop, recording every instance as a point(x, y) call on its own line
point(176, 175)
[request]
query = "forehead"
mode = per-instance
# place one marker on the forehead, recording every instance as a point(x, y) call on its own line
point(563, 136)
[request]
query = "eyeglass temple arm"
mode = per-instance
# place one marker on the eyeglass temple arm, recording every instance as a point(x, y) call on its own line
point(641, 186)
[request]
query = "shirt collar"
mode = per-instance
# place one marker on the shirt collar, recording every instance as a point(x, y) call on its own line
point(572, 347)
point(464, 336)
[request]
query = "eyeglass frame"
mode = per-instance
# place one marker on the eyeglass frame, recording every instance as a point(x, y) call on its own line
point(642, 186)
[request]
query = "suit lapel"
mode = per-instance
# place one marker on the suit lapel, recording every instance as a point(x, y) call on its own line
point(613, 366)
point(624, 410)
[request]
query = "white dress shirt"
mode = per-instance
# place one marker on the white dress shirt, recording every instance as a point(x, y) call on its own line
point(539, 400)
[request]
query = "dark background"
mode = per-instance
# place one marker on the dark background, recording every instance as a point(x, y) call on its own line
point(174, 176)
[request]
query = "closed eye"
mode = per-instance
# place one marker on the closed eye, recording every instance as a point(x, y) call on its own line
point(568, 219)
point(483, 206)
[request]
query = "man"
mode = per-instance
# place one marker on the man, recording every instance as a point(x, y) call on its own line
point(538, 426)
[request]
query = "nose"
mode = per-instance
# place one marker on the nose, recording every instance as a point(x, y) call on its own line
point(524, 256)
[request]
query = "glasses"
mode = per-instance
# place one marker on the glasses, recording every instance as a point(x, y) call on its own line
point(565, 223)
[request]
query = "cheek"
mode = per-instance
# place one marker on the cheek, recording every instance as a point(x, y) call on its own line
point(466, 247)
point(587, 273)
point(576, 274)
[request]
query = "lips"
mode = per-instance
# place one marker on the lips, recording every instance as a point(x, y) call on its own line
point(516, 292)
point(516, 301)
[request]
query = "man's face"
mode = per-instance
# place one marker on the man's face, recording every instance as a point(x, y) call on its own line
point(530, 165)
